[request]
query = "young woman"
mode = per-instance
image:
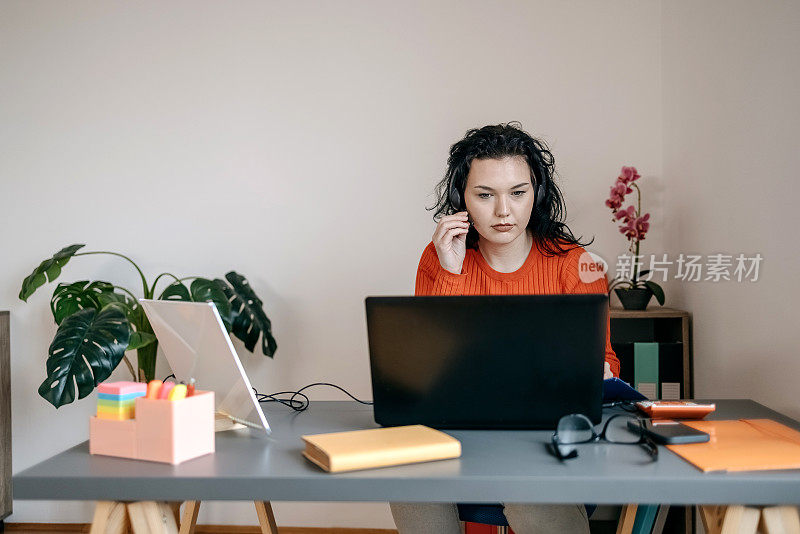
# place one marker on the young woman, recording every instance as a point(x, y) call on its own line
point(500, 231)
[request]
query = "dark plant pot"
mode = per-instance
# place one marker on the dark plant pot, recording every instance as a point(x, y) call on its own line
point(634, 299)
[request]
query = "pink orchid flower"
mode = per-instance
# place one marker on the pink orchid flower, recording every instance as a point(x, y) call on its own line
point(628, 214)
point(621, 188)
point(628, 175)
point(614, 203)
point(635, 228)
point(642, 225)
point(629, 230)
point(617, 196)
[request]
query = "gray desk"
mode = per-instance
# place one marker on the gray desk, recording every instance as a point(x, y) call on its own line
point(495, 466)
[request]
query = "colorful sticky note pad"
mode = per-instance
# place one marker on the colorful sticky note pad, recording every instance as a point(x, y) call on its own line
point(117, 400)
point(122, 388)
point(111, 404)
point(115, 416)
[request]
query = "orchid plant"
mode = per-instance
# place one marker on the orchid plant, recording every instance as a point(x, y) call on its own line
point(634, 227)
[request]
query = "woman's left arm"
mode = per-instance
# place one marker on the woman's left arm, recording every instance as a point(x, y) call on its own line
point(572, 283)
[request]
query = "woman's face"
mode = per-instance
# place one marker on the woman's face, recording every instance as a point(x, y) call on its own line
point(499, 191)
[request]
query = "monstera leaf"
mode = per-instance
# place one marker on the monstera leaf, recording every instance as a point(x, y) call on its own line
point(176, 291)
point(204, 290)
point(69, 298)
point(87, 347)
point(124, 303)
point(133, 313)
point(140, 339)
point(47, 271)
point(248, 318)
point(201, 290)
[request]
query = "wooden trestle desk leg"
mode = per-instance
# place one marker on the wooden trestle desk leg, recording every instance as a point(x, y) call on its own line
point(110, 517)
point(175, 506)
point(146, 517)
point(738, 519)
point(266, 518)
point(780, 520)
point(151, 517)
point(189, 519)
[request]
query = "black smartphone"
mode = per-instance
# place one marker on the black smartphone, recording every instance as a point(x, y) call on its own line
point(669, 432)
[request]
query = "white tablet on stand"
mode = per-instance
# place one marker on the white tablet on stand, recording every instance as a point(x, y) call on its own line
point(197, 346)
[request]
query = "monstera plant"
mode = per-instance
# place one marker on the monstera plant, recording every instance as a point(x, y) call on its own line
point(99, 321)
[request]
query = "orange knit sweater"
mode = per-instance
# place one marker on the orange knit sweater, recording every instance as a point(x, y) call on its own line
point(539, 275)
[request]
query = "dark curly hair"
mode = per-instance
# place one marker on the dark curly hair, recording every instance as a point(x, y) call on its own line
point(551, 235)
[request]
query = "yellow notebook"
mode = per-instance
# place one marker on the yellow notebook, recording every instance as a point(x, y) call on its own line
point(379, 447)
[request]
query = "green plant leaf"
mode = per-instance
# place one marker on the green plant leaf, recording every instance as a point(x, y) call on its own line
point(249, 322)
point(122, 301)
point(131, 309)
point(87, 347)
point(176, 291)
point(657, 291)
point(69, 298)
point(134, 313)
point(204, 290)
point(620, 282)
point(47, 271)
point(139, 340)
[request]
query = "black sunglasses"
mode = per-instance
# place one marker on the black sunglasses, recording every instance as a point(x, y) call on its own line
point(576, 428)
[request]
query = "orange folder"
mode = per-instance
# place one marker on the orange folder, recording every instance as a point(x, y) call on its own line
point(743, 445)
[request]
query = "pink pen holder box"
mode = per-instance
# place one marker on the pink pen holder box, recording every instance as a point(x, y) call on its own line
point(163, 430)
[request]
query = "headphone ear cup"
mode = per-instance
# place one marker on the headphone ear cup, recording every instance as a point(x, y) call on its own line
point(455, 199)
point(540, 195)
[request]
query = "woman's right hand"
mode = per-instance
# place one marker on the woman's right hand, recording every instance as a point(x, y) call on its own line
point(450, 240)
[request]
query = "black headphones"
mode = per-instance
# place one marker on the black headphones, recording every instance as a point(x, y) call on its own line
point(459, 205)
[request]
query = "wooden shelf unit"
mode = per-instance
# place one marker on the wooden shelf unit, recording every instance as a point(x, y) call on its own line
point(5, 418)
point(663, 325)
point(657, 324)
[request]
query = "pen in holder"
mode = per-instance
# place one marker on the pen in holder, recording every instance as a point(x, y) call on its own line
point(169, 431)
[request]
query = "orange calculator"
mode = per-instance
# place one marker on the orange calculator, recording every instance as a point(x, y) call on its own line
point(676, 409)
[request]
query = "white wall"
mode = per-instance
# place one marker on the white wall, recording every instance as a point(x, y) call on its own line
point(731, 130)
point(298, 144)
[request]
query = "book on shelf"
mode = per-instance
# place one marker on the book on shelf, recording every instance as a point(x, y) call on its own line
point(670, 370)
point(645, 369)
point(645, 518)
point(659, 372)
point(624, 352)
